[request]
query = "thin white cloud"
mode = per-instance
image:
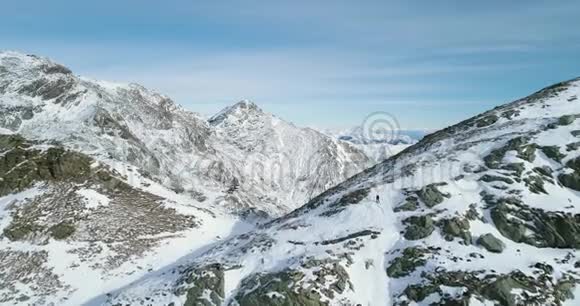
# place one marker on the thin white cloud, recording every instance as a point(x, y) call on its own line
point(283, 76)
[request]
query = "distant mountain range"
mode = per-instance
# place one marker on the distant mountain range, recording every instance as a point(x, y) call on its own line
point(378, 144)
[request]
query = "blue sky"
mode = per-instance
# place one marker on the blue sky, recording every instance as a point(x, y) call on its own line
point(319, 63)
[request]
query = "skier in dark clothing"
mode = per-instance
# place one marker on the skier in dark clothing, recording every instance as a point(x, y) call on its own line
point(378, 199)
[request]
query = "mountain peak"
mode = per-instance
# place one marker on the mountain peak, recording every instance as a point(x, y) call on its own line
point(246, 106)
point(20, 64)
point(245, 103)
point(242, 110)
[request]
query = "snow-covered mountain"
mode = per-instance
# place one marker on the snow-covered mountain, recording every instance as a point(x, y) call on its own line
point(102, 183)
point(297, 163)
point(242, 158)
point(485, 212)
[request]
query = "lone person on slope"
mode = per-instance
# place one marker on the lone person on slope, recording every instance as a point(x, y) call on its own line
point(378, 199)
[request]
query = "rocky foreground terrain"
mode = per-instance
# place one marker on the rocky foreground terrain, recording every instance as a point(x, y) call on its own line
point(113, 195)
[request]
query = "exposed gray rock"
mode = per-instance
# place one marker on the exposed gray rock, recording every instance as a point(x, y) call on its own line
point(456, 227)
point(349, 199)
point(574, 164)
point(418, 227)
point(517, 168)
point(430, 195)
point(292, 288)
point(573, 146)
point(409, 261)
point(570, 180)
point(495, 178)
point(54, 68)
point(551, 229)
point(490, 243)
point(48, 89)
point(499, 288)
point(553, 152)
point(486, 121)
point(566, 120)
point(203, 286)
point(410, 204)
point(363, 233)
point(520, 144)
point(535, 183)
point(21, 166)
point(544, 171)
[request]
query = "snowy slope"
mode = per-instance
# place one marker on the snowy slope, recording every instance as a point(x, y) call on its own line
point(128, 124)
point(486, 212)
point(73, 227)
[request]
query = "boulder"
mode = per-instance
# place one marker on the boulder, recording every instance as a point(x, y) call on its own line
point(418, 227)
point(519, 144)
point(501, 290)
point(570, 180)
point(573, 146)
point(430, 195)
point(456, 227)
point(550, 229)
point(566, 120)
point(574, 164)
point(535, 184)
point(490, 243)
point(495, 178)
point(513, 229)
point(62, 230)
point(410, 204)
point(553, 152)
point(409, 261)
